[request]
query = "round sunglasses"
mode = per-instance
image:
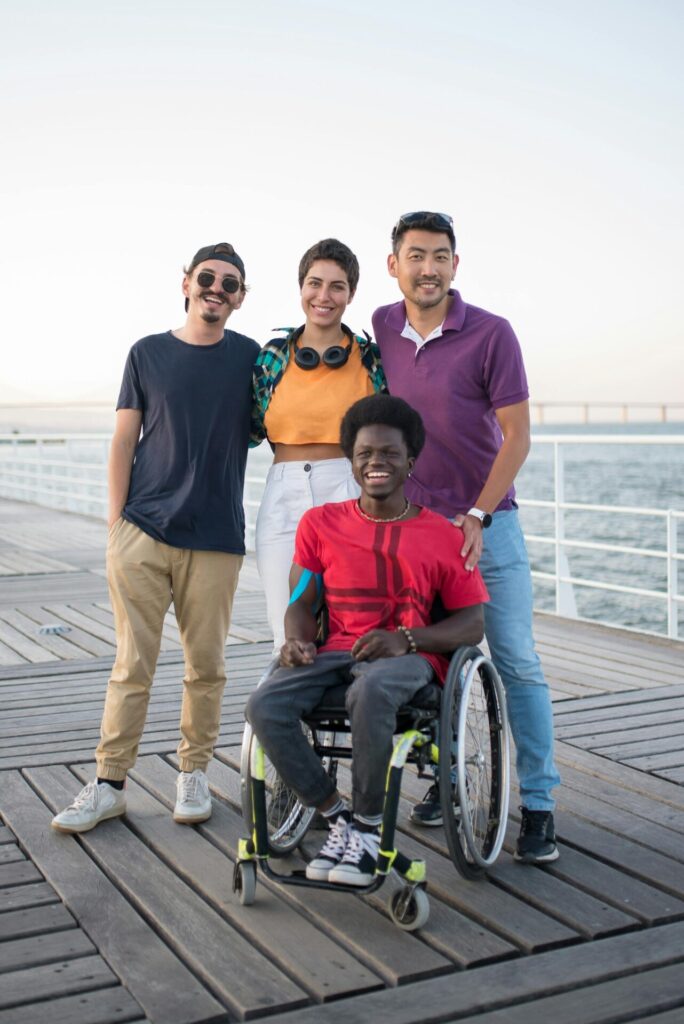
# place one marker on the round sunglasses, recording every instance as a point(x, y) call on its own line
point(229, 284)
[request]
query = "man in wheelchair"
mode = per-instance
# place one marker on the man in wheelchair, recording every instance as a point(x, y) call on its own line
point(383, 563)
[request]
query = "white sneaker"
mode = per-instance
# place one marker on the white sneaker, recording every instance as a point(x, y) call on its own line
point(357, 866)
point(332, 851)
point(96, 802)
point(193, 800)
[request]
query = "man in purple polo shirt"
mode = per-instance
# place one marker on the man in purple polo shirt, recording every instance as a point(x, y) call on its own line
point(462, 369)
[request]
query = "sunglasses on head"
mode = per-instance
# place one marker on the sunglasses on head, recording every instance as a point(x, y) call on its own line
point(229, 284)
point(425, 217)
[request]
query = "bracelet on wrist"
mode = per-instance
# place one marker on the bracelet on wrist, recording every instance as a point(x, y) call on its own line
point(412, 647)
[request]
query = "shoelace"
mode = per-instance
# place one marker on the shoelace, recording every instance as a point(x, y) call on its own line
point(188, 787)
point(88, 796)
point(336, 842)
point(360, 843)
point(534, 823)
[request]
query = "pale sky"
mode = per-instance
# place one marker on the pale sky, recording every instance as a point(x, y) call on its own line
point(134, 133)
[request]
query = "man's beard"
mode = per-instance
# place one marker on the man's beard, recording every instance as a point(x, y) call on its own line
point(210, 318)
point(426, 301)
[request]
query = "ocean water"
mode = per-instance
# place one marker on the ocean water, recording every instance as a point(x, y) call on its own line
point(635, 476)
point(612, 474)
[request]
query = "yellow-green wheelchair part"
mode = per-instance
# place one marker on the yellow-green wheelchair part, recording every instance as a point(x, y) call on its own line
point(459, 731)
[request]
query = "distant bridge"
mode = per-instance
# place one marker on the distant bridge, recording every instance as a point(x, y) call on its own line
point(663, 412)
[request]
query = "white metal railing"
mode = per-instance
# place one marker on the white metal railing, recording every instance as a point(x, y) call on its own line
point(68, 471)
point(65, 471)
point(563, 581)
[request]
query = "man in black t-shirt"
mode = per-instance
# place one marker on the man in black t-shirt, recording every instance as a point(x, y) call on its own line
point(176, 531)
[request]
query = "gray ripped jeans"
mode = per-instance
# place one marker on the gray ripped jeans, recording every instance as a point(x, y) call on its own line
point(375, 691)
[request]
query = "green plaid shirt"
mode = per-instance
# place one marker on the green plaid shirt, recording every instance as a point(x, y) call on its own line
point(271, 365)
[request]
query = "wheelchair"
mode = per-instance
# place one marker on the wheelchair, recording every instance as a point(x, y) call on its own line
point(458, 732)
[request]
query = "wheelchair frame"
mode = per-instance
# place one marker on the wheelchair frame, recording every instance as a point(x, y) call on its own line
point(445, 738)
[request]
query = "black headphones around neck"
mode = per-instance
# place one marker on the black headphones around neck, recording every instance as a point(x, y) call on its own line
point(335, 357)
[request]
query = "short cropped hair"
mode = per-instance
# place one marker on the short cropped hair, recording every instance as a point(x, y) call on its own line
point(438, 223)
point(338, 252)
point(386, 411)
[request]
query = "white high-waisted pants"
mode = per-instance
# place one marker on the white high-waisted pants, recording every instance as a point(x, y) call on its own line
point(291, 489)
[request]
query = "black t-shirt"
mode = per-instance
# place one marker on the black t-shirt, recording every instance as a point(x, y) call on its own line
point(189, 469)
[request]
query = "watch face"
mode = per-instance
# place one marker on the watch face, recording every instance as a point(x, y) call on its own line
point(486, 520)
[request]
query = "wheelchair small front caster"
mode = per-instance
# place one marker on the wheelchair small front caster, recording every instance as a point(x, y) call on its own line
point(244, 882)
point(409, 907)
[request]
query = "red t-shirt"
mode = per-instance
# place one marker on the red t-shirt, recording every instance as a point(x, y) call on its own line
point(380, 576)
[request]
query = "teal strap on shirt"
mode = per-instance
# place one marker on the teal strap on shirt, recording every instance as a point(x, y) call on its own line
point(303, 583)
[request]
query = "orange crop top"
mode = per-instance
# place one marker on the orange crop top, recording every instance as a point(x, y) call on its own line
point(307, 406)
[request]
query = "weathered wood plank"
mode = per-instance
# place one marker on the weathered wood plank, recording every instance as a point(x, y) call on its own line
point(291, 942)
point(622, 823)
point(576, 723)
point(606, 741)
point(15, 897)
point(609, 771)
point(649, 905)
point(128, 944)
point(667, 1017)
point(593, 666)
point(16, 924)
point(50, 980)
point(19, 562)
point(9, 853)
point(25, 648)
point(202, 938)
point(648, 865)
point(8, 657)
point(655, 762)
point(392, 954)
point(82, 639)
point(601, 1004)
point(44, 949)
point(670, 748)
point(105, 1006)
point(18, 873)
point(59, 646)
point(586, 914)
point(619, 796)
point(506, 984)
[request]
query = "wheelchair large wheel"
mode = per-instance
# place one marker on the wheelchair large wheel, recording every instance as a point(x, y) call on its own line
point(287, 819)
point(474, 761)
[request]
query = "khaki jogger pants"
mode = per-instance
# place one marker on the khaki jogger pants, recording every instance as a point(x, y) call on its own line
point(144, 577)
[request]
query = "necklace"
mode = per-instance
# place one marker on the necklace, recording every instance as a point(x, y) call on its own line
point(394, 519)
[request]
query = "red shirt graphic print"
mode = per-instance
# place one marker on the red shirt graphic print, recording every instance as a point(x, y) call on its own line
point(380, 576)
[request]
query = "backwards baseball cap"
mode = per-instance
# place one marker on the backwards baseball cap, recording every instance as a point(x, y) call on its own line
point(222, 251)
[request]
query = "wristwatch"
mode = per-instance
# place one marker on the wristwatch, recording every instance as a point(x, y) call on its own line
point(484, 517)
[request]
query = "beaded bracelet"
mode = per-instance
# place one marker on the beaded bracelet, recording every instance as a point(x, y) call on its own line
point(412, 649)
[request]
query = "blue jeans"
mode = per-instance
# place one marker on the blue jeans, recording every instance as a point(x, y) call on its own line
point(508, 627)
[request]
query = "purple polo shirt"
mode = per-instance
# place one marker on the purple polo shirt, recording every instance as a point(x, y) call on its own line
point(456, 382)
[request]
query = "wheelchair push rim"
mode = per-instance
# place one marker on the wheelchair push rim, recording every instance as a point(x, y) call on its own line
point(474, 757)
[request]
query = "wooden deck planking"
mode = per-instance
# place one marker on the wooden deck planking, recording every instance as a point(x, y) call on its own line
point(605, 910)
point(504, 985)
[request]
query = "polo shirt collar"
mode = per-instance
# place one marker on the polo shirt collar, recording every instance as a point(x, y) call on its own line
point(453, 321)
